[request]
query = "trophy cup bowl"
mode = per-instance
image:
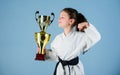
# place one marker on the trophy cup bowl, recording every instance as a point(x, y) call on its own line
point(42, 38)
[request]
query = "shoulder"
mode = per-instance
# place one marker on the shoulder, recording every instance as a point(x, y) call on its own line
point(57, 37)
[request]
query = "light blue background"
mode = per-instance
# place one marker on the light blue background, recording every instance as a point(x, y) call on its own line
point(18, 25)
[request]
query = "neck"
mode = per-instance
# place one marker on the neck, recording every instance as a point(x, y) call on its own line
point(67, 30)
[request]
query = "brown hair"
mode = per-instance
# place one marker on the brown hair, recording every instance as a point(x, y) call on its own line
point(73, 14)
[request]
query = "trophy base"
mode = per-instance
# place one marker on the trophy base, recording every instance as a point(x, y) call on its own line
point(40, 57)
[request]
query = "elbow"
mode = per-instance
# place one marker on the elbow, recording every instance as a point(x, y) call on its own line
point(96, 39)
point(99, 37)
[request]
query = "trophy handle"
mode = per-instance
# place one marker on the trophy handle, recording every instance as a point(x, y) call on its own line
point(52, 14)
point(36, 15)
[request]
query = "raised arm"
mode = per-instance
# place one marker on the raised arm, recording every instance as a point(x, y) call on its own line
point(92, 36)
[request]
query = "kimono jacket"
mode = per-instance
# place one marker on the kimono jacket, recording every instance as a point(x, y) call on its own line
point(70, 46)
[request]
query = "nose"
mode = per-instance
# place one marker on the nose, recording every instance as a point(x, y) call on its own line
point(59, 18)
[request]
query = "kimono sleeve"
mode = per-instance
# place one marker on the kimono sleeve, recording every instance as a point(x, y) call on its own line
point(51, 53)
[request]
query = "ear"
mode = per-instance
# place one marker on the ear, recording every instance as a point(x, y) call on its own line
point(72, 21)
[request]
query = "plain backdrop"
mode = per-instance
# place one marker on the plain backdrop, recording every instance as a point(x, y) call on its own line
point(18, 25)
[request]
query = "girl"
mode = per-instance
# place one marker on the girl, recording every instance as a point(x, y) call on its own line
point(68, 45)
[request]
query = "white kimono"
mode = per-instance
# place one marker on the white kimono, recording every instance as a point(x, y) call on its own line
point(70, 46)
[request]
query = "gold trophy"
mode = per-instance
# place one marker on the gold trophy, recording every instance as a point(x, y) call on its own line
point(42, 38)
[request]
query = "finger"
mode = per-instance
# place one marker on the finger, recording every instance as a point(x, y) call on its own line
point(38, 49)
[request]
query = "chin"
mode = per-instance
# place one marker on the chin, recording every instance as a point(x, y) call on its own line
point(60, 26)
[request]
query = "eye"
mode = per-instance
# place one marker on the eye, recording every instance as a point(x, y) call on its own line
point(62, 17)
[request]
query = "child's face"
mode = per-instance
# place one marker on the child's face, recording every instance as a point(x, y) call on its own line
point(64, 20)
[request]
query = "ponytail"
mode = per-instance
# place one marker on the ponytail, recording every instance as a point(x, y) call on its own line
point(80, 18)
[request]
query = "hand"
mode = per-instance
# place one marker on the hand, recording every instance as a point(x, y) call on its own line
point(39, 50)
point(82, 26)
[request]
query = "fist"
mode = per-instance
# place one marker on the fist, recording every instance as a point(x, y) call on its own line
point(82, 26)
